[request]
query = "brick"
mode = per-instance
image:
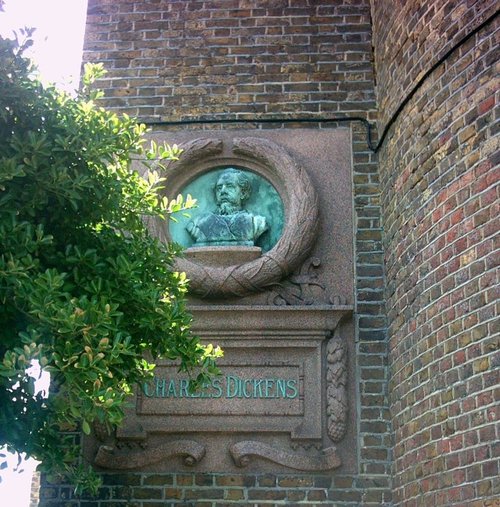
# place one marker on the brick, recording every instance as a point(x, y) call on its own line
point(184, 480)
point(121, 479)
point(235, 480)
point(317, 495)
point(173, 493)
point(157, 480)
point(267, 480)
point(204, 480)
point(234, 494)
point(295, 482)
point(146, 493)
point(266, 494)
point(203, 494)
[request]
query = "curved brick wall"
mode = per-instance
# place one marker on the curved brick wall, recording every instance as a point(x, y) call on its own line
point(440, 212)
point(409, 36)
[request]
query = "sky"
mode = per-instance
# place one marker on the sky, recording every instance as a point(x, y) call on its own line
point(57, 51)
point(58, 38)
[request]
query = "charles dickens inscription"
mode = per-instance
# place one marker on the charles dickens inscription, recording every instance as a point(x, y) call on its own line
point(240, 390)
point(227, 387)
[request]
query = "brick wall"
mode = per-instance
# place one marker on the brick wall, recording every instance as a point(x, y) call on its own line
point(208, 490)
point(440, 213)
point(171, 60)
point(410, 37)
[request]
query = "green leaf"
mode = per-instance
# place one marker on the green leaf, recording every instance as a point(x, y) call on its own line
point(86, 427)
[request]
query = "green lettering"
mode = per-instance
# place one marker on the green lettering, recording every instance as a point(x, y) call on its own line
point(145, 390)
point(218, 388)
point(269, 386)
point(245, 383)
point(183, 388)
point(257, 388)
point(172, 391)
point(160, 387)
point(292, 386)
point(231, 386)
point(281, 387)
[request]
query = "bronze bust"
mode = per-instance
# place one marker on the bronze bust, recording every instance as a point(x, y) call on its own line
point(229, 224)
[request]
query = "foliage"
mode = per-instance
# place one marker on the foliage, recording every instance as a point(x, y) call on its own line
point(84, 288)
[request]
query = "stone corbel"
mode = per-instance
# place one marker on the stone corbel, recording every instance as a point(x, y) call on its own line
point(120, 459)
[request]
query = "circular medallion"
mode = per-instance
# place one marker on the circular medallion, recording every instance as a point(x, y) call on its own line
point(235, 207)
point(279, 214)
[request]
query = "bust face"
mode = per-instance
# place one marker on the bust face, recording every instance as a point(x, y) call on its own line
point(228, 190)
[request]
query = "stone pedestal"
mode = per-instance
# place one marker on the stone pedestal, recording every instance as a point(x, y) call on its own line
point(219, 256)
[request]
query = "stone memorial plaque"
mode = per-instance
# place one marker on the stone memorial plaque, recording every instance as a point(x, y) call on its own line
point(272, 374)
point(269, 258)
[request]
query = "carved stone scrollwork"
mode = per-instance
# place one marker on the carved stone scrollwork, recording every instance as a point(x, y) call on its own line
point(112, 457)
point(298, 289)
point(242, 452)
point(336, 393)
point(303, 288)
point(291, 181)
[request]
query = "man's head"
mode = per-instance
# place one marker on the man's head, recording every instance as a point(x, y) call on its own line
point(231, 191)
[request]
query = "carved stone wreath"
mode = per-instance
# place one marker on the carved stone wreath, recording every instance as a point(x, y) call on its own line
point(291, 181)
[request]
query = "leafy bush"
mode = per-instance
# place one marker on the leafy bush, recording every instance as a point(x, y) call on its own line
point(84, 288)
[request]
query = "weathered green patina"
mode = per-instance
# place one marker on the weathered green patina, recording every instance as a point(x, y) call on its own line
point(235, 207)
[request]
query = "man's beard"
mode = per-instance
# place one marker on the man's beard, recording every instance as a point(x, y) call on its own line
point(228, 208)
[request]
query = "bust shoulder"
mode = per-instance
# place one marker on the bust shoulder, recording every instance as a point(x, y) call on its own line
point(259, 225)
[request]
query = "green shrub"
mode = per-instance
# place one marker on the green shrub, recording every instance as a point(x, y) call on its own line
point(84, 288)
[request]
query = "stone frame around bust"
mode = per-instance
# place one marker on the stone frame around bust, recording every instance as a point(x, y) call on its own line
point(296, 332)
point(270, 161)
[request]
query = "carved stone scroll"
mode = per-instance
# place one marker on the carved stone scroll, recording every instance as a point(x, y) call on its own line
point(336, 393)
point(242, 452)
point(117, 459)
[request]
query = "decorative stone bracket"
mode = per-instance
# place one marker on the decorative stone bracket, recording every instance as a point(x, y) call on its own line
point(126, 459)
point(242, 452)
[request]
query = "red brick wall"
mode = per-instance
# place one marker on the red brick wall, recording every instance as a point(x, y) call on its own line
point(409, 36)
point(172, 59)
point(439, 179)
